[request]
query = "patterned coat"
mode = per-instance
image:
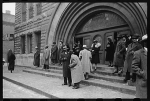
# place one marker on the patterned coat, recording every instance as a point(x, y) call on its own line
point(119, 54)
point(129, 56)
point(76, 69)
point(139, 66)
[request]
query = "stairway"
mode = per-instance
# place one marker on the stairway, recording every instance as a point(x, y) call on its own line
point(101, 78)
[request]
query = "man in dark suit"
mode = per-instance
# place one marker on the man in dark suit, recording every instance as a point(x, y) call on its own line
point(139, 66)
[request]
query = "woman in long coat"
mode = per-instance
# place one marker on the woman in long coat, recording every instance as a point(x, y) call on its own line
point(119, 54)
point(110, 51)
point(95, 53)
point(36, 61)
point(11, 60)
point(46, 56)
point(139, 66)
point(85, 57)
point(76, 71)
point(65, 58)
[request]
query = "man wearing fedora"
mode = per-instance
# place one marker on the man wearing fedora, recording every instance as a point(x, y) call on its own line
point(132, 47)
point(139, 66)
point(118, 60)
point(85, 57)
point(36, 61)
point(65, 58)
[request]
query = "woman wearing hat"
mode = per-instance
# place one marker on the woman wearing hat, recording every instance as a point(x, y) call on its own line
point(95, 53)
point(132, 47)
point(85, 57)
point(36, 61)
point(139, 66)
point(118, 60)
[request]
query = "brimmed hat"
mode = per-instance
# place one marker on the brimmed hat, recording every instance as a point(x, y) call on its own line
point(61, 41)
point(65, 47)
point(46, 46)
point(54, 42)
point(36, 47)
point(135, 36)
point(144, 37)
point(95, 41)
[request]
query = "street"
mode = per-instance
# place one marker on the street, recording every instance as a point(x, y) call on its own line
point(52, 86)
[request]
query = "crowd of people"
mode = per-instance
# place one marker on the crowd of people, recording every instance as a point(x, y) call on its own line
point(128, 56)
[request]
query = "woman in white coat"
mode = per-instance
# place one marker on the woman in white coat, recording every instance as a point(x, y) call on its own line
point(76, 70)
point(85, 57)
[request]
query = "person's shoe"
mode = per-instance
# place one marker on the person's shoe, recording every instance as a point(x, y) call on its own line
point(125, 81)
point(75, 87)
point(115, 72)
point(69, 85)
point(64, 84)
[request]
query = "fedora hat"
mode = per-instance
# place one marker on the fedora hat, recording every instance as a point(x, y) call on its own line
point(36, 47)
point(135, 36)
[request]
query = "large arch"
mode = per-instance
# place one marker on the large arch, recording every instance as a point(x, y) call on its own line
point(71, 15)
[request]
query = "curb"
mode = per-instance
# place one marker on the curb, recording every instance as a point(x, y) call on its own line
point(30, 88)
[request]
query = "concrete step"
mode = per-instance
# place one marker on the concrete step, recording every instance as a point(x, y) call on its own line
point(92, 81)
point(91, 75)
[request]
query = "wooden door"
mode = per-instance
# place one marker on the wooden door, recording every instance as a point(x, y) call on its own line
point(87, 41)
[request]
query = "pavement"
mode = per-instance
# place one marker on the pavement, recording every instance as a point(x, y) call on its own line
point(52, 87)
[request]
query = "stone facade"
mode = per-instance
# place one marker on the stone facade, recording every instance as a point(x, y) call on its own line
point(48, 23)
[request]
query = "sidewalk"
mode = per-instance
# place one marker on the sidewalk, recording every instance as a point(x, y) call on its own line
point(54, 86)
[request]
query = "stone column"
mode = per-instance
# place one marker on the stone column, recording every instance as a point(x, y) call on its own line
point(26, 44)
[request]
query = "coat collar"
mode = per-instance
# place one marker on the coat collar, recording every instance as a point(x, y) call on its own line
point(144, 51)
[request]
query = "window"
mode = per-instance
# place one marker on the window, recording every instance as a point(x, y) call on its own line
point(29, 43)
point(23, 12)
point(23, 44)
point(39, 8)
point(30, 10)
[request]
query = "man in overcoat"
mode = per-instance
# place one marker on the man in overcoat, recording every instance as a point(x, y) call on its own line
point(76, 71)
point(119, 54)
point(36, 61)
point(132, 47)
point(65, 58)
point(139, 66)
point(46, 56)
point(85, 57)
point(54, 53)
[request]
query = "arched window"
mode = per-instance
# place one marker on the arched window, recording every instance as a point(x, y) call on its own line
point(30, 8)
point(39, 8)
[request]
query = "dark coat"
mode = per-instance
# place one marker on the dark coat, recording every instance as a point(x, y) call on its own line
point(36, 61)
point(139, 66)
point(129, 56)
point(11, 61)
point(119, 54)
point(95, 54)
point(65, 58)
point(60, 50)
point(54, 52)
point(110, 51)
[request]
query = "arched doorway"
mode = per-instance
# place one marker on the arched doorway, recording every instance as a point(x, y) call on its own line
point(77, 14)
point(100, 26)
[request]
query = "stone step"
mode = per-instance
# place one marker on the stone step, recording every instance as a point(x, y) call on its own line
point(91, 75)
point(92, 81)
